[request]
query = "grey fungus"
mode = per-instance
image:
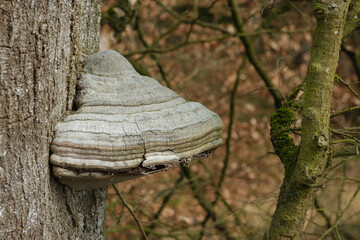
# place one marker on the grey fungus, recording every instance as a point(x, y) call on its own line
point(127, 126)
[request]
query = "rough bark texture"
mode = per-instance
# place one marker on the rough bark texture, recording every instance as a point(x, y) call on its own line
point(41, 48)
point(301, 183)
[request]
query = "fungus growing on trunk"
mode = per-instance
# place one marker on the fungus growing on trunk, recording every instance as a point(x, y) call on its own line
point(127, 126)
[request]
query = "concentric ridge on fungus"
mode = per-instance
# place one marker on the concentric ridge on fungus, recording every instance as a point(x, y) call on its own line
point(127, 126)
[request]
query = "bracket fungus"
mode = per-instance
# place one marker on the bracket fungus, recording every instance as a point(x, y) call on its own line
point(127, 126)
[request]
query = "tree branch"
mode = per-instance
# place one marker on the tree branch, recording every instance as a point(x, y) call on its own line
point(231, 122)
point(342, 214)
point(348, 86)
point(313, 160)
point(250, 52)
point(166, 199)
point(353, 21)
point(199, 194)
point(153, 56)
point(191, 21)
point(355, 59)
point(131, 212)
point(346, 151)
point(176, 47)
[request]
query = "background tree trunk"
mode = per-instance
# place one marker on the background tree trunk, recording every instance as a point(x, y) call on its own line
point(41, 49)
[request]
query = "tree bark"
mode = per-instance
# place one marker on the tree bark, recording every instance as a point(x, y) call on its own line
point(302, 181)
point(42, 44)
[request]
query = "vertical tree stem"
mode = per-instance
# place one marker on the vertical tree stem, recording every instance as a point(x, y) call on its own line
point(313, 160)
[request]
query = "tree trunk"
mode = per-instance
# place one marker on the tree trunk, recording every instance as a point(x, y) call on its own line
point(41, 48)
point(306, 175)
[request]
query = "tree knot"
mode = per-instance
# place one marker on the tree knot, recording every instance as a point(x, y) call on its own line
point(320, 11)
point(321, 140)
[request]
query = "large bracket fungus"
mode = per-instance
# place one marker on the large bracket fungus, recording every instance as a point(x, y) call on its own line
point(127, 126)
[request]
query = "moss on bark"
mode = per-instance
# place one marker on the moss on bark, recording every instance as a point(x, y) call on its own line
point(284, 145)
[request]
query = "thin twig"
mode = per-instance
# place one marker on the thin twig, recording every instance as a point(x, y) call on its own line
point(221, 197)
point(354, 58)
point(345, 135)
point(180, 45)
point(228, 147)
point(321, 211)
point(198, 22)
point(166, 199)
point(207, 206)
point(343, 141)
point(345, 111)
point(231, 122)
point(345, 178)
point(250, 52)
point(341, 188)
point(131, 212)
point(341, 214)
point(349, 87)
point(153, 56)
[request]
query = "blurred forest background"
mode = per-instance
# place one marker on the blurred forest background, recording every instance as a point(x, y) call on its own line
point(194, 48)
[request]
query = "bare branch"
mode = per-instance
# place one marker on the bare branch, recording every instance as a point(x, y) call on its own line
point(199, 194)
point(153, 56)
point(345, 111)
point(131, 212)
point(250, 52)
point(176, 47)
point(348, 86)
point(231, 122)
point(345, 135)
point(346, 151)
point(342, 214)
point(353, 21)
point(355, 59)
point(166, 199)
point(198, 22)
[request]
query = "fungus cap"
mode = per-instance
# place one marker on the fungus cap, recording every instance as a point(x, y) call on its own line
point(127, 126)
